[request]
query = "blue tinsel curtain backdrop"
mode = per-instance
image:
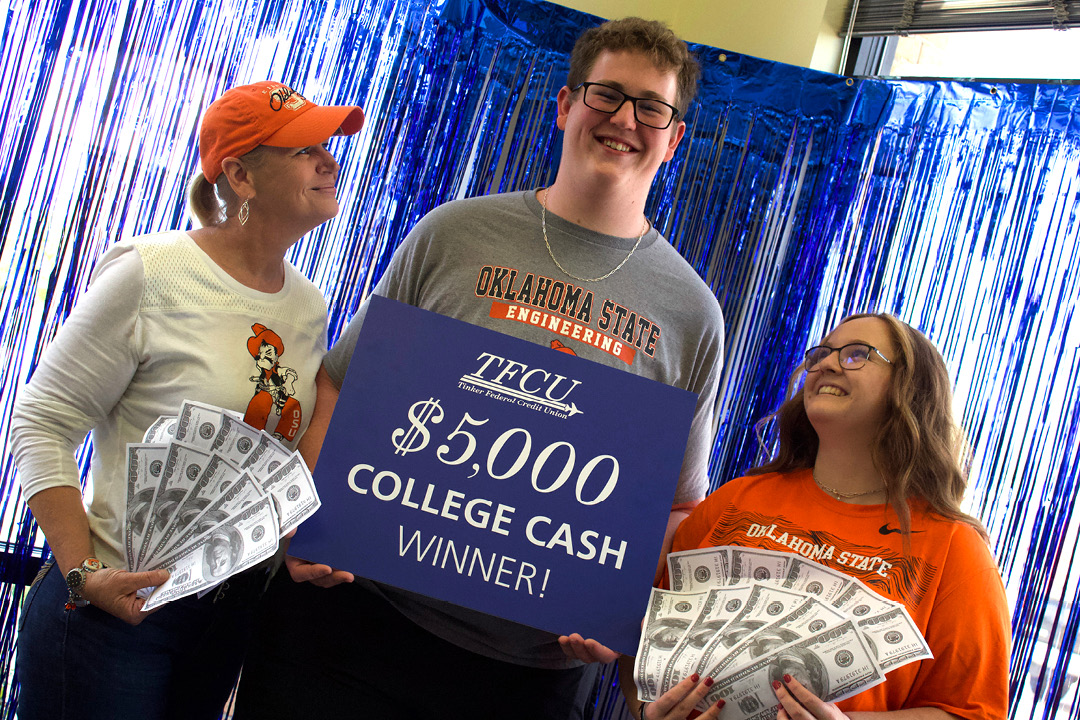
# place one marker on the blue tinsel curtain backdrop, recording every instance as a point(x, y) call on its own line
point(799, 196)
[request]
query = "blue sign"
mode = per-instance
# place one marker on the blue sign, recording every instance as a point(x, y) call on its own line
point(498, 474)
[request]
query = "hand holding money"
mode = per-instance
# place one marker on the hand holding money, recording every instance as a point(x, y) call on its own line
point(113, 590)
point(746, 619)
point(208, 497)
point(679, 701)
point(798, 703)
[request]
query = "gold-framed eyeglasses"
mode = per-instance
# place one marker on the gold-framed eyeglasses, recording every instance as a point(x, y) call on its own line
point(647, 111)
point(852, 356)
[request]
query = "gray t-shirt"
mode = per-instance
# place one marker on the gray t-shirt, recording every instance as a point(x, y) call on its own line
point(483, 260)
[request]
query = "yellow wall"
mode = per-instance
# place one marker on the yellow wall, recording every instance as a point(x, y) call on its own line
point(800, 32)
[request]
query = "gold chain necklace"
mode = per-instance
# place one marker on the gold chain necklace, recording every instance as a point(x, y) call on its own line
point(543, 225)
point(841, 495)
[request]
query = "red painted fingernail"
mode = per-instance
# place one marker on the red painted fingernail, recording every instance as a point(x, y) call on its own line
point(694, 678)
point(720, 703)
point(708, 682)
point(787, 678)
point(776, 685)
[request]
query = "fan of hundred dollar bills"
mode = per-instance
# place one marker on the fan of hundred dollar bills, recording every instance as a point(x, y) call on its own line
point(209, 497)
point(747, 617)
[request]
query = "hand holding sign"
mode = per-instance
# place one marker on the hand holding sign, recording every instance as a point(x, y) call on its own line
point(586, 650)
point(323, 576)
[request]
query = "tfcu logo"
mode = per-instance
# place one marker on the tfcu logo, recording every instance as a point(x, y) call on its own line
point(533, 387)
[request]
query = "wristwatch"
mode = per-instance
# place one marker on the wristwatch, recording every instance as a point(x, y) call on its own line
point(76, 581)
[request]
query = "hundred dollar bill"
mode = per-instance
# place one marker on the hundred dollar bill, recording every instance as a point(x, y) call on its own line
point(809, 618)
point(223, 550)
point(833, 664)
point(241, 494)
point(161, 430)
point(699, 570)
point(198, 424)
point(670, 616)
point(720, 606)
point(183, 466)
point(859, 601)
point(294, 493)
point(750, 565)
point(146, 462)
point(235, 441)
point(216, 478)
point(267, 456)
point(764, 606)
point(894, 639)
point(815, 579)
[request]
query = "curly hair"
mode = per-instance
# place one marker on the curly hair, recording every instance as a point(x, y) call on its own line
point(650, 37)
point(919, 450)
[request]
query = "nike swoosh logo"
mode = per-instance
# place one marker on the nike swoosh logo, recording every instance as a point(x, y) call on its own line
point(886, 530)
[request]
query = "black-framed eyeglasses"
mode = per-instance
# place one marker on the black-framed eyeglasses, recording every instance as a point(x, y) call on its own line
point(852, 356)
point(647, 111)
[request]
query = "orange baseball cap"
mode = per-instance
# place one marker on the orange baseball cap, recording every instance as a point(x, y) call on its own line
point(268, 113)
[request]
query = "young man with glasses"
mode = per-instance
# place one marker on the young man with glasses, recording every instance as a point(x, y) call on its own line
point(581, 251)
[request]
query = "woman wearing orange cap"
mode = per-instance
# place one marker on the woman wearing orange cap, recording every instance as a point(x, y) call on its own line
point(172, 317)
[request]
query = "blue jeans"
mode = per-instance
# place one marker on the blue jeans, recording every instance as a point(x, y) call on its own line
point(180, 662)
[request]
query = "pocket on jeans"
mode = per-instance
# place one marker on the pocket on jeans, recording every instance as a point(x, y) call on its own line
point(35, 586)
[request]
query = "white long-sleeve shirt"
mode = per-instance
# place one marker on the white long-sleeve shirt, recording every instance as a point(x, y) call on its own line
point(159, 324)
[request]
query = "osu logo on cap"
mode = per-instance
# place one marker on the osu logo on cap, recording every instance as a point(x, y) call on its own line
point(286, 97)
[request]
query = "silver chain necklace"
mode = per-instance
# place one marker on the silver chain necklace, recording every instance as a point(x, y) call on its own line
point(841, 495)
point(543, 225)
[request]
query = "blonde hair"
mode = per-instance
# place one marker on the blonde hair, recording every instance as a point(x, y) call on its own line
point(214, 203)
point(919, 450)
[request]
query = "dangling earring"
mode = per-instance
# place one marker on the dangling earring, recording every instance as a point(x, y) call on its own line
point(245, 211)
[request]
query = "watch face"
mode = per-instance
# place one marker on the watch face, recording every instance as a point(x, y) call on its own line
point(92, 565)
point(76, 578)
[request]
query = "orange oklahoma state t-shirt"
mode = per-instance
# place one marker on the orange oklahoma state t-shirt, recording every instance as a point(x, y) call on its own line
point(949, 582)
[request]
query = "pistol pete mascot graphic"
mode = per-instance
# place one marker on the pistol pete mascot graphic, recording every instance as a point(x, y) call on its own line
point(274, 385)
